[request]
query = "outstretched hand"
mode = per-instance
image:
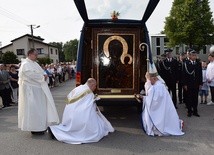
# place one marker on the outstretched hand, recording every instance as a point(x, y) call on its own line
point(139, 97)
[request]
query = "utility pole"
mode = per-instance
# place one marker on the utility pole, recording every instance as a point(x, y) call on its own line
point(31, 28)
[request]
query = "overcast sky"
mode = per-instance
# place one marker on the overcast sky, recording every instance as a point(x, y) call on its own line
point(60, 21)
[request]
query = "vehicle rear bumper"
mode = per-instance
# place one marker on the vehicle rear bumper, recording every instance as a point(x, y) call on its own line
point(117, 97)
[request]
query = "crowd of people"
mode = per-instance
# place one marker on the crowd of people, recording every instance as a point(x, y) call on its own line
point(9, 76)
point(191, 76)
point(58, 73)
point(8, 85)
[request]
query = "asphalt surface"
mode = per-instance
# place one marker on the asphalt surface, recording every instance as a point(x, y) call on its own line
point(128, 139)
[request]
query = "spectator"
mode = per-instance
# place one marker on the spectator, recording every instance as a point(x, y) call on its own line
point(210, 76)
point(203, 91)
point(14, 83)
point(5, 89)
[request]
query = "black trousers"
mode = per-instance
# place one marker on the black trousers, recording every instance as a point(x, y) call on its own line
point(192, 99)
point(172, 88)
point(50, 81)
point(180, 92)
point(212, 93)
point(6, 98)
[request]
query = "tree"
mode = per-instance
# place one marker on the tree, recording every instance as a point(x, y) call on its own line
point(59, 45)
point(191, 23)
point(70, 50)
point(9, 58)
point(44, 61)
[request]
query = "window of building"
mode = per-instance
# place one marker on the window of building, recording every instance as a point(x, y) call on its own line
point(204, 50)
point(157, 41)
point(177, 50)
point(56, 51)
point(166, 40)
point(186, 48)
point(51, 51)
point(158, 50)
point(40, 50)
point(20, 51)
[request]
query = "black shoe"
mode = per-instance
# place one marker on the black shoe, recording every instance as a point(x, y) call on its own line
point(37, 133)
point(196, 114)
point(189, 114)
point(51, 133)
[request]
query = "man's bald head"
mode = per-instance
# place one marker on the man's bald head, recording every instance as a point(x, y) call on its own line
point(92, 83)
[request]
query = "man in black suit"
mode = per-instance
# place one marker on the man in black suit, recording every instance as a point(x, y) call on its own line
point(168, 70)
point(181, 93)
point(192, 80)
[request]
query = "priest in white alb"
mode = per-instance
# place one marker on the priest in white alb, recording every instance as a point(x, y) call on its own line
point(82, 121)
point(36, 108)
point(159, 116)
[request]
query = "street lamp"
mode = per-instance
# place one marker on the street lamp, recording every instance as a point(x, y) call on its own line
point(33, 27)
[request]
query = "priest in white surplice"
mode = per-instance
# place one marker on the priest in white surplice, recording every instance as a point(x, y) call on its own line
point(82, 122)
point(36, 108)
point(159, 116)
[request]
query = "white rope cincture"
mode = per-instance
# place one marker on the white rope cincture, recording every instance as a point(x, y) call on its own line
point(190, 73)
point(166, 68)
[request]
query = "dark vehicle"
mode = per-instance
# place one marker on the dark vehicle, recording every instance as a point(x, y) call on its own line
point(109, 51)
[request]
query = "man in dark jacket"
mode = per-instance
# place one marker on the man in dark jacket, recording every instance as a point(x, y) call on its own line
point(181, 93)
point(169, 72)
point(192, 80)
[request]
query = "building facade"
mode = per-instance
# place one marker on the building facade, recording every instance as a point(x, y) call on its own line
point(21, 45)
point(159, 43)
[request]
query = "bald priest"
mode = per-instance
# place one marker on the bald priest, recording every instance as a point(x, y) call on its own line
point(82, 121)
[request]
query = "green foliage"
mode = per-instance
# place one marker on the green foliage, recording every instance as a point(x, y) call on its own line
point(70, 50)
point(9, 58)
point(59, 45)
point(44, 61)
point(191, 23)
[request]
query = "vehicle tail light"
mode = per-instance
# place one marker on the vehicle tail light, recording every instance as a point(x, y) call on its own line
point(78, 78)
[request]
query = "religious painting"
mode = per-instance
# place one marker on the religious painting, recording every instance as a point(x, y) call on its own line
point(115, 64)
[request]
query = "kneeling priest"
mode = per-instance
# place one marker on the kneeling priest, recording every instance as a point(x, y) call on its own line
point(82, 121)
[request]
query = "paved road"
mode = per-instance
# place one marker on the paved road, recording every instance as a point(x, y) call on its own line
point(128, 139)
